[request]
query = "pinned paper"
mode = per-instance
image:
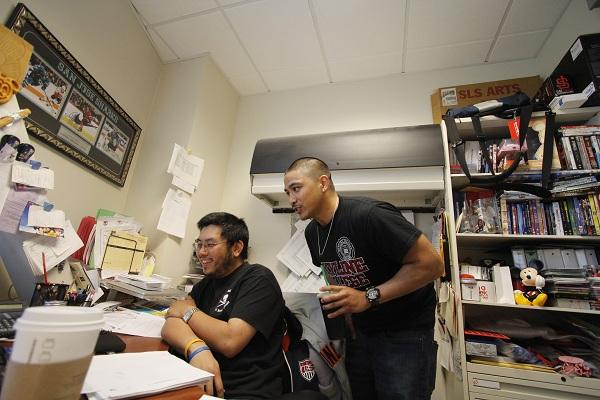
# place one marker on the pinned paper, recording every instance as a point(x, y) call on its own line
point(175, 212)
point(186, 168)
point(25, 174)
point(42, 220)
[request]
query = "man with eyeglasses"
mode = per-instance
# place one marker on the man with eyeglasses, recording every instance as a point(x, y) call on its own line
point(231, 325)
point(380, 270)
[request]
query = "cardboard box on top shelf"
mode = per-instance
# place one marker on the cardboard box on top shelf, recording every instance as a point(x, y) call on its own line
point(465, 95)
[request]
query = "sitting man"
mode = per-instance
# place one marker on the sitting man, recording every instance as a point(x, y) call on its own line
point(232, 324)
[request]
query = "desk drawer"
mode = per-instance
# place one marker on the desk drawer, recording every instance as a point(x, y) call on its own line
point(514, 388)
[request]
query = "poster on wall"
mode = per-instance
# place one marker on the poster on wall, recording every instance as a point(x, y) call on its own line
point(70, 111)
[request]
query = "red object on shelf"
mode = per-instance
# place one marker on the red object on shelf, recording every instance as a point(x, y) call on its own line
point(495, 335)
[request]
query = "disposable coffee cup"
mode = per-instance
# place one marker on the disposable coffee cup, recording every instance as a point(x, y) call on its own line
point(51, 354)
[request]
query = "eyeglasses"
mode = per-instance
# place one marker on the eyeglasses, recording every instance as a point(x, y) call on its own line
point(208, 244)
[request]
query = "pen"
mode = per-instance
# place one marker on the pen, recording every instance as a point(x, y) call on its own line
point(44, 266)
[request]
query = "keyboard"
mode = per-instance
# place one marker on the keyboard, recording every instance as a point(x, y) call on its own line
point(7, 322)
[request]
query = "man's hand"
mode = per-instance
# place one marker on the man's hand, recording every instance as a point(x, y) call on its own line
point(206, 361)
point(179, 307)
point(343, 300)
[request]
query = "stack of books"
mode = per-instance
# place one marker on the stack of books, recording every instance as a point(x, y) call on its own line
point(154, 282)
point(568, 288)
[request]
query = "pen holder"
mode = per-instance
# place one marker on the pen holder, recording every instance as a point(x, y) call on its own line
point(49, 294)
point(52, 352)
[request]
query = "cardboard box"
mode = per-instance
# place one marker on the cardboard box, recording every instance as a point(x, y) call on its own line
point(465, 95)
point(581, 67)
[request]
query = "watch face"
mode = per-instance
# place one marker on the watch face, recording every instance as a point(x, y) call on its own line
point(372, 294)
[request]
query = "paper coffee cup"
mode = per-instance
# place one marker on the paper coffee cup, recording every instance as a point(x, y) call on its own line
point(55, 334)
point(52, 352)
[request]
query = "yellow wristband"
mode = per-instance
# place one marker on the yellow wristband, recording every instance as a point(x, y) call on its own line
point(189, 344)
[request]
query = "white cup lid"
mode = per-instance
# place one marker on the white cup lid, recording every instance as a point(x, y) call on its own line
point(61, 315)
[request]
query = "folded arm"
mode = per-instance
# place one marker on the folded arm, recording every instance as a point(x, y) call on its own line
point(227, 337)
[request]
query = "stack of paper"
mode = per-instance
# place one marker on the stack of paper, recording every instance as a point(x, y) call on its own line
point(106, 223)
point(134, 323)
point(154, 282)
point(119, 376)
point(55, 250)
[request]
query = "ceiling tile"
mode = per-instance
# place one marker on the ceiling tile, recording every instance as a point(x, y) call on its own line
point(278, 34)
point(247, 85)
point(207, 33)
point(161, 48)
point(229, 2)
point(154, 11)
point(518, 46)
point(293, 78)
point(436, 23)
point(447, 56)
point(533, 15)
point(365, 67)
point(360, 28)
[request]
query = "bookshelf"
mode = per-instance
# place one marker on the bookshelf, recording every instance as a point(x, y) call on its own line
point(481, 381)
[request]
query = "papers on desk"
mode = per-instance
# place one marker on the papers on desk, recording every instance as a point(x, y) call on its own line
point(175, 210)
point(119, 376)
point(134, 323)
point(105, 225)
point(154, 282)
point(124, 252)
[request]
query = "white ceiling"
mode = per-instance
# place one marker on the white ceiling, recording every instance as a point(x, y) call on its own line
point(269, 45)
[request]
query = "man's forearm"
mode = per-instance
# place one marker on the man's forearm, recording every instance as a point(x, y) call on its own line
point(177, 333)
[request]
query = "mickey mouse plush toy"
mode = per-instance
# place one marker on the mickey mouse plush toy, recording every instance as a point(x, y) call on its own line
point(533, 294)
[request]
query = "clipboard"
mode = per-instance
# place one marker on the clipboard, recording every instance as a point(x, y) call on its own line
point(124, 251)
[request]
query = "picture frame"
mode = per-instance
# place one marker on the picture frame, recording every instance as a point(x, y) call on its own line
point(70, 111)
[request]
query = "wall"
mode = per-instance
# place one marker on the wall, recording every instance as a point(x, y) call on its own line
point(195, 108)
point(93, 31)
point(576, 20)
point(398, 100)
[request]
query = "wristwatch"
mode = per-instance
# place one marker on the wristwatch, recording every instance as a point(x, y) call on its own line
point(373, 296)
point(188, 314)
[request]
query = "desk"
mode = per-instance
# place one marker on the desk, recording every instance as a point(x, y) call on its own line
point(137, 344)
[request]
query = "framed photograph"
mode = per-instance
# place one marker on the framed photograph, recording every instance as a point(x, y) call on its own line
point(70, 111)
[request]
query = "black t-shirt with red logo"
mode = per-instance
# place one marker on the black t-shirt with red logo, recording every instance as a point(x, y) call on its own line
point(364, 246)
point(252, 294)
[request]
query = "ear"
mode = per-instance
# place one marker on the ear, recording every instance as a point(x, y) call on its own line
point(324, 182)
point(237, 248)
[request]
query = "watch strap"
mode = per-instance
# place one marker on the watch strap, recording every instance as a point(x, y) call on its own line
point(188, 314)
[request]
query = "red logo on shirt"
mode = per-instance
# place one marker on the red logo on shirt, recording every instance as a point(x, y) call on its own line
point(307, 369)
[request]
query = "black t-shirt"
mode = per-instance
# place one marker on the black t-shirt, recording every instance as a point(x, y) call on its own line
point(252, 294)
point(365, 247)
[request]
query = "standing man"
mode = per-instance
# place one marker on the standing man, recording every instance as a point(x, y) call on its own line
point(232, 324)
point(380, 270)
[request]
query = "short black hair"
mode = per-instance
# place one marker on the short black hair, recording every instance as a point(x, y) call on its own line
point(312, 166)
point(232, 228)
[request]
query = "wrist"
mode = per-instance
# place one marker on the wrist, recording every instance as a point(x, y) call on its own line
point(373, 296)
point(187, 315)
point(196, 351)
